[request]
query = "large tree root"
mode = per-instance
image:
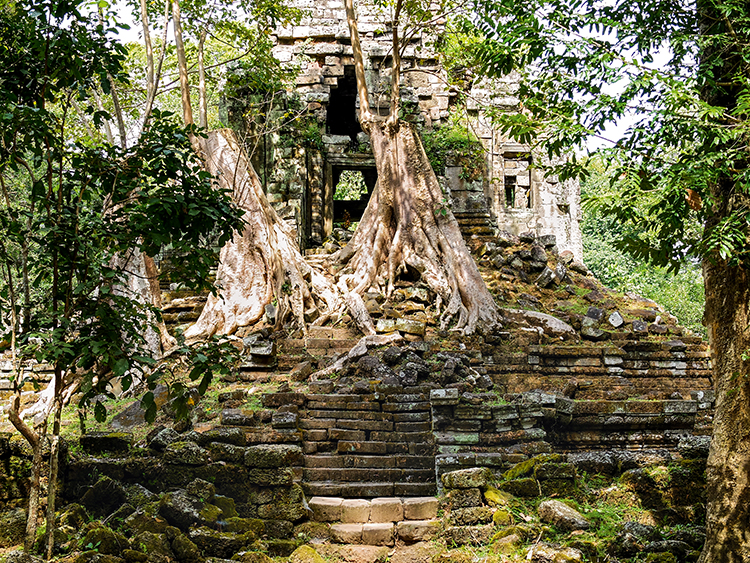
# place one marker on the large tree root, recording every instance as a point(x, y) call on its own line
point(263, 264)
point(408, 228)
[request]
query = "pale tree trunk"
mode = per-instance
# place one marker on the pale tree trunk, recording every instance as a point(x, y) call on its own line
point(157, 77)
point(187, 108)
point(143, 286)
point(262, 264)
point(202, 95)
point(406, 225)
point(107, 127)
point(150, 81)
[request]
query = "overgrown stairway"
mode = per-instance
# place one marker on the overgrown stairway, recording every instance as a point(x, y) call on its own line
point(475, 223)
point(368, 445)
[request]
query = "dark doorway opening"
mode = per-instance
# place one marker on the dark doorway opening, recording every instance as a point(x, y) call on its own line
point(341, 116)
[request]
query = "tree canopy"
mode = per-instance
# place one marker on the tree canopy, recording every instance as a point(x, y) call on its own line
point(585, 63)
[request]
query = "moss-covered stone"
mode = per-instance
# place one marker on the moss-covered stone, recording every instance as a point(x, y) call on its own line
point(502, 517)
point(468, 535)
point(305, 554)
point(105, 541)
point(526, 487)
point(133, 556)
point(237, 525)
point(475, 477)
point(470, 516)
point(73, 515)
point(227, 506)
point(252, 557)
point(495, 497)
point(558, 488)
point(185, 550)
point(202, 490)
point(186, 453)
point(12, 527)
point(271, 477)
point(464, 498)
point(281, 548)
point(313, 531)
point(526, 468)
point(93, 556)
point(279, 529)
point(106, 442)
point(141, 521)
point(220, 544)
point(104, 497)
point(544, 471)
point(286, 503)
point(153, 544)
point(660, 558)
point(271, 456)
point(210, 513)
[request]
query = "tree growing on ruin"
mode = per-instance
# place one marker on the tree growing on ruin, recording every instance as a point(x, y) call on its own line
point(407, 229)
point(683, 161)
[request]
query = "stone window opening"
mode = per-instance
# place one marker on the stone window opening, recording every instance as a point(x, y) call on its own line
point(510, 191)
point(517, 182)
point(352, 190)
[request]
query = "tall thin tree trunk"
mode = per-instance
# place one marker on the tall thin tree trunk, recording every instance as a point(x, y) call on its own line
point(118, 112)
point(202, 94)
point(150, 81)
point(187, 108)
point(54, 464)
point(152, 96)
point(107, 128)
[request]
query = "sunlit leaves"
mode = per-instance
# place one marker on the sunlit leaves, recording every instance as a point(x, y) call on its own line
point(678, 73)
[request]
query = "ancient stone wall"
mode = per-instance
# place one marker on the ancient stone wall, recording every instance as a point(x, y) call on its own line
point(299, 176)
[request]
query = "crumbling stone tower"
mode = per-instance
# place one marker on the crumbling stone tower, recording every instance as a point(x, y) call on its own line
point(301, 179)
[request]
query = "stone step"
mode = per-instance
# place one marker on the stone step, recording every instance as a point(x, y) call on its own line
point(369, 489)
point(377, 510)
point(348, 490)
point(369, 461)
point(355, 475)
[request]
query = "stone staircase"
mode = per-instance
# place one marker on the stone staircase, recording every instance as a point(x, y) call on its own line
point(475, 224)
point(368, 445)
point(33, 375)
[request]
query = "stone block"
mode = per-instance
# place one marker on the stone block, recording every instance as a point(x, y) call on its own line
point(444, 396)
point(463, 498)
point(386, 509)
point(476, 477)
point(468, 535)
point(378, 534)
point(347, 533)
point(420, 508)
point(471, 516)
point(418, 530)
point(355, 511)
point(326, 509)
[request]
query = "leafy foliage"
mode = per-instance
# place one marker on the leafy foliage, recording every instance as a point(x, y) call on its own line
point(455, 143)
point(351, 186)
point(584, 64)
point(88, 208)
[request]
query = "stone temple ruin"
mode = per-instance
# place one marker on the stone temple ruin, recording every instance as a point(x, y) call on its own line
point(301, 168)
